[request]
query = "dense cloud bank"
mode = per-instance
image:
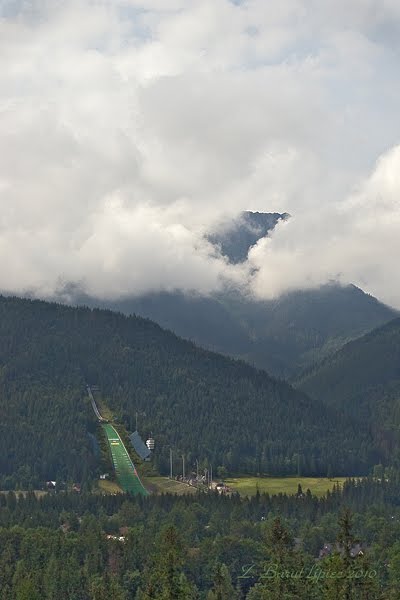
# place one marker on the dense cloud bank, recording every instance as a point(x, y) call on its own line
point(128, 129)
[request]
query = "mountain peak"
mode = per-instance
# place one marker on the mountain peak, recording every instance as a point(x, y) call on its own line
point(236, 237)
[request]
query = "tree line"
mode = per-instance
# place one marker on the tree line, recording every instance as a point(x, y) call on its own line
point(205, 547)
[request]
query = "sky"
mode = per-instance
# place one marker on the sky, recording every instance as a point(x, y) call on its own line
point(128, 129)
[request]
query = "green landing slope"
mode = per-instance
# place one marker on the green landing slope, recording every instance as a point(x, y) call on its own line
point(125, 470)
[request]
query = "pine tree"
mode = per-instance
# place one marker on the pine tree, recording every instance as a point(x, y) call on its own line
point(222, 588)
point(165, 580)
point(284, 571)
point(346, 541)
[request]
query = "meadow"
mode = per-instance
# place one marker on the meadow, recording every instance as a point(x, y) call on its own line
point(248, 486)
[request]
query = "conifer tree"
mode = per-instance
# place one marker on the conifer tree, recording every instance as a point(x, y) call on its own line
point(222, 584)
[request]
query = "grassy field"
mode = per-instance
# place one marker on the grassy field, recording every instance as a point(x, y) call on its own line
point(160, 485)
point(247, 486)
point(109, 487)
point(154, 484)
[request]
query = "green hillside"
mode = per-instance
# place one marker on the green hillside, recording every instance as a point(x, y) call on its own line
point(299, 328)
point(363, 381)
point(208, 406)
point(282, 336)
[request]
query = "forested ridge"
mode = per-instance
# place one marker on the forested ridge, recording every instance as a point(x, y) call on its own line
point(363, 380)
point(283, 335)
point(204, 404)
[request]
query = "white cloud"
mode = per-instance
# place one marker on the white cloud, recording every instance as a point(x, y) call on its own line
point(354, 241)
point(128, 127)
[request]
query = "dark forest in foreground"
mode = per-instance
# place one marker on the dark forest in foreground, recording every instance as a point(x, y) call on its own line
point(207, 547)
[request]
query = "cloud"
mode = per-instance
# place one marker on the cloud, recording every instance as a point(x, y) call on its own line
point(128, 128)
point(356, 241)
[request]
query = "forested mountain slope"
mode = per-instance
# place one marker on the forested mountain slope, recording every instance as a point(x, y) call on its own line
point(363, 380)
point(283, 335)
point(203, 404)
